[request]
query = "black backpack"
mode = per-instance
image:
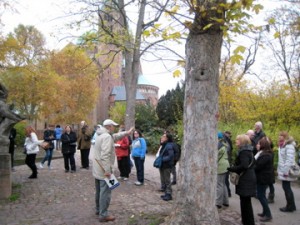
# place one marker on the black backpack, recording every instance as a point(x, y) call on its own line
point(177, 152)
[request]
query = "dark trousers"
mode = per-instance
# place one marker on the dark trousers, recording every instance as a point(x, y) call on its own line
point(272, 189)
point(85, 157)
point(124, 166)
point(30, 162)
point(227, 184)
point(246, 211)
point(139, 165)
point(165, 179)
point(289, 195)
point(12, 152)
point(69, 158)
point(261, 195)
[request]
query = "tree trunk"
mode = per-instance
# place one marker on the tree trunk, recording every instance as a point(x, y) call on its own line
point(195, 199)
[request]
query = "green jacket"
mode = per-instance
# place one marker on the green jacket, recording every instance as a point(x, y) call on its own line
point(223, 162)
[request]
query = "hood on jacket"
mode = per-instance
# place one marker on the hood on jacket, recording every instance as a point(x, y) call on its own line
point(246, 148)
point(290, 141)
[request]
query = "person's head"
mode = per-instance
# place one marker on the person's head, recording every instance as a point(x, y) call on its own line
point(122, 128)
point(166, 137)
point(220, 135)
point(82, 123)
point(242, 140)
point(264, 144)
point(227, 134)
point(250, 134)
point(110, 125)
point(57, 126)
point(29, 130)
point(283, 136)
point(137, 134)
point(68, 129)
point(258, 126)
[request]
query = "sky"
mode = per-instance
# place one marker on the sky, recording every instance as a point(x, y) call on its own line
point(47, 17)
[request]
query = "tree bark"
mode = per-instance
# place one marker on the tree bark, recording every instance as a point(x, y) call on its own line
point(195, 199)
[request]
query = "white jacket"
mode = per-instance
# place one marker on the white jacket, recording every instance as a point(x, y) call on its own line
point(286, 158)
point(32, 144)
point(104, 152)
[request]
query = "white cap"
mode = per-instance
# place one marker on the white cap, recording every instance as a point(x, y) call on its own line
point(109, 122)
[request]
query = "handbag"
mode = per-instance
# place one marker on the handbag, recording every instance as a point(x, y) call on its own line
point(234, 178)
point(294, 171)
point(158, 161)
point(45, 145)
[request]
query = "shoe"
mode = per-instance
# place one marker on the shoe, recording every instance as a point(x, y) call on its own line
point(125, 178)
point(107, 219)
point(265, 219)
point(13, 169)
point(50, 167)
point(66, 171)
point(41, 165)
point(97, 213)
point(173, 183)
point(73, 171)
point(137, 183)
point(162, 196)
point(286, 209)
point(167, 197)
point(260, 214)
point(226, 205)
point(32, 176)
point(119, 178)
point(219, 207)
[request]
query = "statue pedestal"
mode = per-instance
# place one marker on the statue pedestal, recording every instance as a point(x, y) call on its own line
point(5, 175)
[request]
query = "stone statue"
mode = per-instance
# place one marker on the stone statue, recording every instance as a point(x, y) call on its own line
point(7, 119)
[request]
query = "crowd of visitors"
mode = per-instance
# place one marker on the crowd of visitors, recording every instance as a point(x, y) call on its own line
point(253, 162)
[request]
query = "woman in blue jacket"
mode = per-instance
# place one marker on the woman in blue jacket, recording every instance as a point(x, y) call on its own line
point(138, 154)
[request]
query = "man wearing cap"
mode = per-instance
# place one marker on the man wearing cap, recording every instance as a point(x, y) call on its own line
point(103, 161)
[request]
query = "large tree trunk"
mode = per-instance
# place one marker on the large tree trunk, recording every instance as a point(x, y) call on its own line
point(195, 199)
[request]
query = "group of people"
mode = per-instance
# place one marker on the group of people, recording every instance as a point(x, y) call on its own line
point(254, 163)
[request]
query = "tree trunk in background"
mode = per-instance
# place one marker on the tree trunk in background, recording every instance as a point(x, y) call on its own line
point(195, 199)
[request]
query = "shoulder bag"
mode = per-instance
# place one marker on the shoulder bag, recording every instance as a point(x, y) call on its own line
point(158, 161)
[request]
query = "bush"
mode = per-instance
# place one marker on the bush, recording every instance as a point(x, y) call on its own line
point(20, 138)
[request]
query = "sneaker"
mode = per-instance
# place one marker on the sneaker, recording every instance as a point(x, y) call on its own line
point(119, 178)
point(41, 165)
point(50, 167)
point(137, 183)
point(125, 178)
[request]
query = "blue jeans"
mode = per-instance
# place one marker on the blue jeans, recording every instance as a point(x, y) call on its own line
point(102, 198)
point(48, 156)
point(261, 195)
point(139, 165)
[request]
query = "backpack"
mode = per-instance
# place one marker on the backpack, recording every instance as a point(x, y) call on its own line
point(177, 152)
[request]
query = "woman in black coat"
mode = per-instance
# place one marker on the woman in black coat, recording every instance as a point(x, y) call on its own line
point(264, 175)
point(68, 148)
point(167, 153)
point(246, 188)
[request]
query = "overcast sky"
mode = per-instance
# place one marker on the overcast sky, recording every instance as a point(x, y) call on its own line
point(46, 16)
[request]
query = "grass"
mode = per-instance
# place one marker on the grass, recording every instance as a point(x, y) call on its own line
point(16, 192)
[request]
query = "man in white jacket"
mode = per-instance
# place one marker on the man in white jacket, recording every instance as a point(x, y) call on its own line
point(103, 161)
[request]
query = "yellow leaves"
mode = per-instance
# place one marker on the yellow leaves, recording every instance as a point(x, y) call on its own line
point(276, 34)
point(177, 73)
point(256, 8)
point(239, 49)
point(271, 20)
